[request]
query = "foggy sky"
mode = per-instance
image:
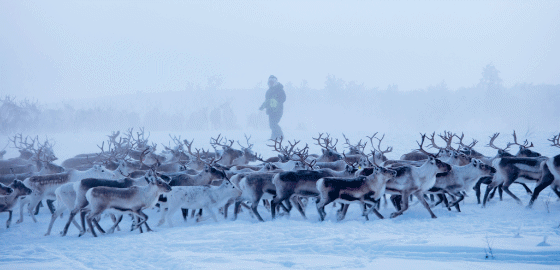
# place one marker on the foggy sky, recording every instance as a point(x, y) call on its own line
point(56, 50)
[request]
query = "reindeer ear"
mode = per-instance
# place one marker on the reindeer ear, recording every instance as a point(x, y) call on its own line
point(323, 149)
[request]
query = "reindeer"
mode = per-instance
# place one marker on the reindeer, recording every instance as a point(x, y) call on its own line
point(198, 197)
point(253, 186)
point(302, 183)
point(287, 156)
point(7, 202)
point(511, 169)
point(44, 186)
point(133, 199)
point(412, 180)
point(459, 180)
point(228, 154)
point(362, 189)
point(248, 155)
point(502, 152)
point(25, 149)
point(552, 168)
point(205, 177)
point(72, 195)
point(328, 148)
point(519, 168)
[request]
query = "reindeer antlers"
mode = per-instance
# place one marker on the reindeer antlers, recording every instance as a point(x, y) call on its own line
point(218, 141)
point(287, 151)
point(491, 143)
point(249, 145)
point(422, 143)
point(359, 147)
point(470, 146)
point(303, 154)
point(389, 149)
point(524, 145)
point(327, 142)
point(555, 140)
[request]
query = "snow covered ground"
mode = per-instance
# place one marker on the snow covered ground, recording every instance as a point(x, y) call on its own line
point(413, 240)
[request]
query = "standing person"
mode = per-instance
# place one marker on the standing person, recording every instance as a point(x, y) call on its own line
point(274, 105)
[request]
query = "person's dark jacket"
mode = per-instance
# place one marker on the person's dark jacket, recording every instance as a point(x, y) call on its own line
point(274, 99)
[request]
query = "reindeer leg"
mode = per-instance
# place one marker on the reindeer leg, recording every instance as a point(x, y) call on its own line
point(51, 206)
point(527, 189)
point(506, 189)
point(556, 191)
point(445, 201)
point(396, 201)
point(404, 205)
point(199, 215)
point(144, 220)
point(37, 208)
point(373, 209)
point(365, 211)
point(341, 214)
point(546, 179)
point(501, 191)
point(115, 224)
point(226, 207)
point(274, 204)
point(420, 197)
point(440, 200)
point(298, 206)
point(22, 202)
point(96, 223)
point(9, 221)
point(236, 208)
point(384, 200)
point(266, 204)
point(489, 187)
point(90, 225)
point(185, 213)
point(70, 219)
point(493, 192)
point(321, 207)
point(32, 204)
point(483, 180)
point(54, 216)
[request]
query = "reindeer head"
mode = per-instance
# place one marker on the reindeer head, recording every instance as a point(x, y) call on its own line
point(485, 169)
point(153, 179)
point(99, 171)
point(442, 167)
point(248, 153)
point(329, 152)
point(20, 188)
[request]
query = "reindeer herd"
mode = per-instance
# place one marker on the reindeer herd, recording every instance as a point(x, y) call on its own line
point(128, 176)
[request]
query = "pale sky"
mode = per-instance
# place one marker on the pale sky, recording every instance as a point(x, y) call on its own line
point(56, 50)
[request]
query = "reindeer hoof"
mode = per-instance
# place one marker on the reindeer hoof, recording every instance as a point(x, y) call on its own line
point(394, 215)
point(434, 216)
point(19, 221)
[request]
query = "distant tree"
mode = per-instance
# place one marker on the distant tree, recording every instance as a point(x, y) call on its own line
point(490, 80)
point(334, 85)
